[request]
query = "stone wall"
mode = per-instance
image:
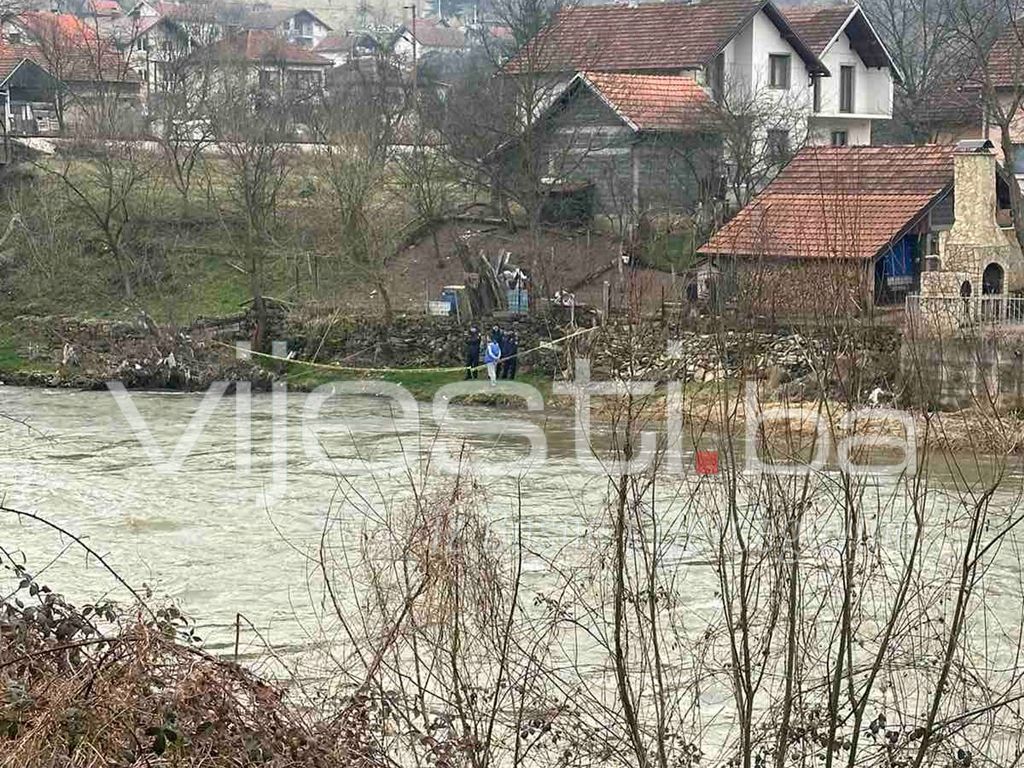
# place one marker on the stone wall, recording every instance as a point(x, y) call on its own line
point(956, 373)
point(846, 363)
point(413, 341)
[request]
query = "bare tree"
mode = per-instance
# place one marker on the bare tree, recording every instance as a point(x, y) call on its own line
point(253, 125)
point(919, 36)
point(358, 129)
point(991, 44)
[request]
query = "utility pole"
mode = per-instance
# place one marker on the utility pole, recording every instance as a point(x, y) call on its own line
point(415, 74)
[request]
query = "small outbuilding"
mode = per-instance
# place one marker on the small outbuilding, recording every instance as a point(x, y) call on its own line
point(844, 229)
point(643, 145)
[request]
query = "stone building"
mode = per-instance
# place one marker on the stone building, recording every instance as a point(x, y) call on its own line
point(978, 261)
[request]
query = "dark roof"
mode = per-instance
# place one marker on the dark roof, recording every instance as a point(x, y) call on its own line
point(663, 36)
point(669, 103)
point(433, 34)
point(347, 41)
point(260, 45)
point(271, 19)
point(839, 202)
point(819, 25)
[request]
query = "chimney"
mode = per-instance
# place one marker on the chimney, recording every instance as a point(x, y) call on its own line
point(974, 196)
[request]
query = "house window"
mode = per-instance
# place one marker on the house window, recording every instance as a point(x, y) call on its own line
point(777, 147)
point(816, 84)
point(846, 89)
point(778, 70)
point(1018, 159)
point(301, 81)
point(266, 78)
point(718, 79)
point(840, 139)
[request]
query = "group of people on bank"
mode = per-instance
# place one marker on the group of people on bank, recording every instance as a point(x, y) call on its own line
point(500, 354)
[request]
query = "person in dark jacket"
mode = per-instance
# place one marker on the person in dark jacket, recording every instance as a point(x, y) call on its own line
point(509, 355)
point(472, 353)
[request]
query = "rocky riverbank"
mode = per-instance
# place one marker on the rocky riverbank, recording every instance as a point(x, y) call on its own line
point(85, 354)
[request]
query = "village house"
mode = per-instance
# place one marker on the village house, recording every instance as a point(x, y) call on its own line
point(208, 22)
point(27, 93)
point(300, 27)
point(425, 38)
point(846, 229)
point(342, 47)
point(199, 21)
point(619, 145)
point(87, 61)
point(154, 46)
point(956, 107)
point(859, 91)
point(269, 63)
point(742, 51)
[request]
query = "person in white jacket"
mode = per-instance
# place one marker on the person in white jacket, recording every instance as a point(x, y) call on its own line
point(492, 356)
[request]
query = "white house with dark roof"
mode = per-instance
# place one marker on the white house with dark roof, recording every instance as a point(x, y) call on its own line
point(859, 90)
point(793, 63)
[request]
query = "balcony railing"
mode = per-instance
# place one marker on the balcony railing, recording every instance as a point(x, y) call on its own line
point(959, 311)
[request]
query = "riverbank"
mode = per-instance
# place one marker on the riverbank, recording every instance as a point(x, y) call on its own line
point(418, 354)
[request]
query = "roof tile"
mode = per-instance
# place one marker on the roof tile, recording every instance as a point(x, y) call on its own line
point(838, 202)
point(654, 102)
point(672, 36)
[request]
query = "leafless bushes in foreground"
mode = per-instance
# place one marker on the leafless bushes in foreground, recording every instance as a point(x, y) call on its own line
point(823, 617)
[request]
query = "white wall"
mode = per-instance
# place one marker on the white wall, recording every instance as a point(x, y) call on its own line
point(858, 130)
point(872, 88)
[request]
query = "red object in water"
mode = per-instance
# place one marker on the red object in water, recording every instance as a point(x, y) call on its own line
point(707, 462)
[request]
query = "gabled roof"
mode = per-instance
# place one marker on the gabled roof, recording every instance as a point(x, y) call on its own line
point(433, 34)
point(344, 42)
point(271, 19)
point(261, 46)
point(14, 56)
point(846, 203)
point(669, 103)
point(652, 37)
point(1006, 57)
point(821, 25)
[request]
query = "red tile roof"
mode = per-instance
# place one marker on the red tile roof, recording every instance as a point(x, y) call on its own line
point(838, 202)
point(651, 37)
point(57, 26)
point(1006, 57)
point(72, 49)
point(654, 102)
point(11, 56)
point(817, 25)
point(259, 45)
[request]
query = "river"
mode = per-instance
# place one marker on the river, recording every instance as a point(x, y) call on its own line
point(229, 520)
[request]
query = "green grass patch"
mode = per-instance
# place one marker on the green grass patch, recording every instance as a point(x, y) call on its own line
point(671, 251)
point(422, 385)
point(14, 355)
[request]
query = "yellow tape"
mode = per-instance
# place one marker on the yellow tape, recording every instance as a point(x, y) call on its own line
point(451, 369)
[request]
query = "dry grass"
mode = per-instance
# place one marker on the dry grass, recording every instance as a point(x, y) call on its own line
point(95, 686)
